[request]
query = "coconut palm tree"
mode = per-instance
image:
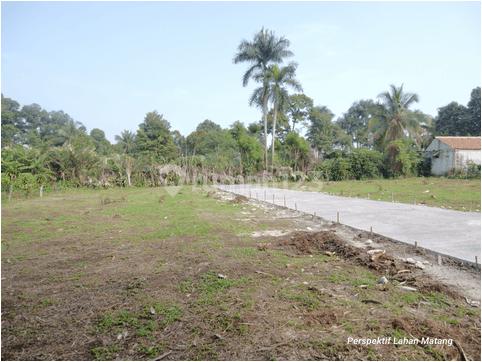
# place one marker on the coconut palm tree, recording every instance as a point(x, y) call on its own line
point(127, 140)
point(69, 132)
point(392, 120)
point(265, 49)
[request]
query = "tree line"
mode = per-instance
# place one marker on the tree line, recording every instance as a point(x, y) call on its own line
point(374, 138)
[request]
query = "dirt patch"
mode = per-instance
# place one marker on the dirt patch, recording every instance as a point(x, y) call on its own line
point(319, 242)
point(134, 281)
point(327, 317)
point(239, 199)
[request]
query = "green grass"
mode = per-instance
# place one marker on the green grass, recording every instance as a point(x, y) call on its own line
point(449, 193)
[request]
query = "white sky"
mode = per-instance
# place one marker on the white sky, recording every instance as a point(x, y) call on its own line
point(107, 64)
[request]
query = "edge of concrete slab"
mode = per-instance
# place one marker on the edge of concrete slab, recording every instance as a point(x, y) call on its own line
point(476, 266)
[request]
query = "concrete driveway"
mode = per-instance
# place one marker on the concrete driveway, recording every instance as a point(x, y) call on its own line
point(453, 233)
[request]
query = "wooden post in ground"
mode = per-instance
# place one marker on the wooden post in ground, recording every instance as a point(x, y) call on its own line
point(338, 217)
point(273, 199)
point(285, 199)
point(296, 207)
point(416, 244)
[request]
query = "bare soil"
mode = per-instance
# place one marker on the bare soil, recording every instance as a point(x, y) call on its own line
point(98, 287)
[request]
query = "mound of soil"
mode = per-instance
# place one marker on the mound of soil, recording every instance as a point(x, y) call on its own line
point(239, 199)
point(321, 241)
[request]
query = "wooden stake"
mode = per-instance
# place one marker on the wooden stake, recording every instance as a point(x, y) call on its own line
point(338, 217)
point(416, 244)
point(296, 207)
point(285, 199)
point(315, 213)
point(273, 198)
point(371, 229)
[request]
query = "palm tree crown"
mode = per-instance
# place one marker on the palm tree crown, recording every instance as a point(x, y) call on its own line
point(127, 140)
point(392, 119)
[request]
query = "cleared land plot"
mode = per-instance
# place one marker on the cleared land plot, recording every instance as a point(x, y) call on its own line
point(430, 191)
point(141, 275)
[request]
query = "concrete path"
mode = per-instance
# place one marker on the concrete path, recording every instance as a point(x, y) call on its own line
point(453, 233)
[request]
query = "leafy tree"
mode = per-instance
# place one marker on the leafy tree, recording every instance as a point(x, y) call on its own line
point(457, 120)
point(101, 144)
point(450, 119)
point(392, 120)
point(264, 50)
point(208, 126)
point(282, 124)
point(323, 134)
point(298, 149)
point(473, 126)
point(51, 125)
point(299, 108)
point(250, 149)
point(154, 137)
point(180, 142)
point(127, 140)
point(12, 124)
point(355, 121)
point(195, 142)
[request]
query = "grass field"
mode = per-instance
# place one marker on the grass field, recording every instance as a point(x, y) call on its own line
point(133, 274)
point(434, 192)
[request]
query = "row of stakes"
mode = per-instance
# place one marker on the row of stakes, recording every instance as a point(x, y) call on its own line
point(338, 219)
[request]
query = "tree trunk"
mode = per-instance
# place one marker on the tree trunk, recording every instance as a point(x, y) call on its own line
point(274, 131)
point(128, 179)
point(265, 101)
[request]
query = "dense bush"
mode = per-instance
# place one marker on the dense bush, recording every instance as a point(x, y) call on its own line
point(360, 164)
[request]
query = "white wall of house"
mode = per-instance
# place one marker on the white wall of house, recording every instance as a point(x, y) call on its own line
point(449, 158)
point(444, 160)
point(462, 156)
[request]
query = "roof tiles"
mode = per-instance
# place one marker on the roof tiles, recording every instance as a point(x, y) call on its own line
point(461, 143)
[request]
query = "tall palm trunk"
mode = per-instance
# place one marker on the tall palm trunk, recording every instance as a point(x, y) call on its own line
point(274, 131)
point(265, 102)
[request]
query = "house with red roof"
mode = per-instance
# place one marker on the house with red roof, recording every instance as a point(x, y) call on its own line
point(447, 153)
